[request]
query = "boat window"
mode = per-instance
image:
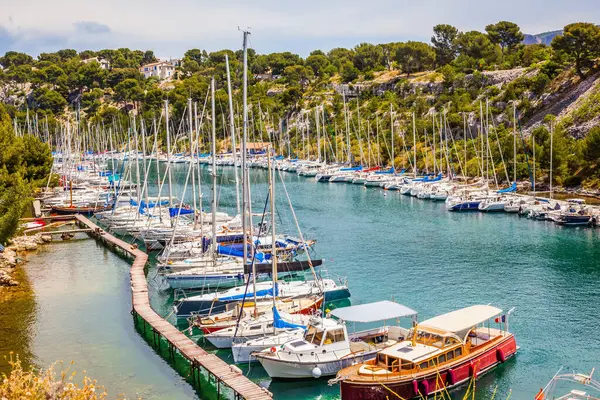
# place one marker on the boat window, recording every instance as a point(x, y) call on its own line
point(255, 327)
point(450, 355)
point(423, 365)
point(432, 363)
point(381, 358)
point(450, 341)
point(442, 359)
point(313, 335)
point(334, 336)
point(407, 365)
point(270, 325)
point(458, 352)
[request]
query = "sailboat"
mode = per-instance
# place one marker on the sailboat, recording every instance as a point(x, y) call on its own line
point(327, 346)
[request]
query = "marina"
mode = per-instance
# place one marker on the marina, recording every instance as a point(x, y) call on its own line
point(394, 221)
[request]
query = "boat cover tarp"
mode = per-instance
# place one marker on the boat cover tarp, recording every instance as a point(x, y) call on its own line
point(237, 252)
point(359, 168)
point(462, 320)
point(385, 172)
point(512, 188)
point(429, 179)
point(285, 266)
point(173, 211)
point(278, 322)
point(260, 293)
point(372, 312)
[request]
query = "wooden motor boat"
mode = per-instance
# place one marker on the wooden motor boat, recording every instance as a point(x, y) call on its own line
point(440, 353)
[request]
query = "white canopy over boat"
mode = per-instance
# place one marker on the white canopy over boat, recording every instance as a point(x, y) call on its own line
point(459, 321)
point(372, 312)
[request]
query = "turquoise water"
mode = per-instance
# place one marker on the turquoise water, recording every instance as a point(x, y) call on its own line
point(82, 314)
point(387, 245)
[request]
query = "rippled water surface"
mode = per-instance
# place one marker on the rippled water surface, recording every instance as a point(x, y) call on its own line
point(386, 245)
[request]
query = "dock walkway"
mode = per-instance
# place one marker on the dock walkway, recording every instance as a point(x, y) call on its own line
point(230, 376)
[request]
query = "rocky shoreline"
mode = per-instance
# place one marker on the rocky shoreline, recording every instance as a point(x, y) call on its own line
point(9, 257)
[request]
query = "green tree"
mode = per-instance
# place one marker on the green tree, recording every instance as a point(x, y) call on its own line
point(415, 57)
point(318, 63)
point(148, 58)
point(368, 57)
point(476, 46)
point(200, 56)
point(54, 74)
point(505, 34)
point(48, 99)
point(128, 90)
point(591, 150)
point(443, 39)
point(580, 42)
point(349, 72)
point(14, 59)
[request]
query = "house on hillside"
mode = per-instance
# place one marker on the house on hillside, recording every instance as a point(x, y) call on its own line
point(164, 70)
point(104, 64)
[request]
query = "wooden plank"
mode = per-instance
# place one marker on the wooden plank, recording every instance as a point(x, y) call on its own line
point(187, 347)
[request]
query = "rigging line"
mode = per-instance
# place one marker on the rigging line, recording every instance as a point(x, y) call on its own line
point(237, 325)
point(500, 149)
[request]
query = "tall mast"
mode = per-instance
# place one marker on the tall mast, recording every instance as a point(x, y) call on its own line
point(168, 152)
point(318, 134)
point(273, 233)
point(233, 144)
point(533, 140)
point(515, 141)
point(347, 128)
point(137, 163)
point(191, 135)
point(392, 133)
point(213, 241)
point(551, 136)
point(244, 153)
point(481, 134)
point(414, 145)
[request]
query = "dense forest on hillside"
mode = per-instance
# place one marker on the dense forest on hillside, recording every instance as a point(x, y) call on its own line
point(458, 86)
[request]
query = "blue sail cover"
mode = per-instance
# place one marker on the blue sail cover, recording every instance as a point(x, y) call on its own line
point(237, 252)
point(260, 293)
point(173, 211)
point(278, 322)
point(512, 188)
point(105, 173)
point(385, 172)
point(429, 179)
point(359, 168)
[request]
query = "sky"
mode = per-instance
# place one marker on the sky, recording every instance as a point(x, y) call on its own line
point(170, 27)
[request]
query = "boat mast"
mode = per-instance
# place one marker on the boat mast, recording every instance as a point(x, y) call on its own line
point(213, 241)
point(273, 233)
point(551, 136)
point(168, 152)
point(392, 133)
point(233, 144)
point(191, 134)
point(318, 134)
point(533, 140)
point(515, 141)
point(244, 154)
point(347, 127)
point(414, 145)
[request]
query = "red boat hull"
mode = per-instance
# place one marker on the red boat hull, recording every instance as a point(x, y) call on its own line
point(437, 381)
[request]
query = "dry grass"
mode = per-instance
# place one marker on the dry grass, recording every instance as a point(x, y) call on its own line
point(47, 384)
